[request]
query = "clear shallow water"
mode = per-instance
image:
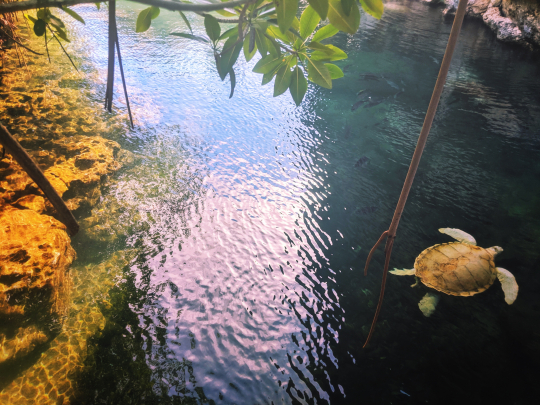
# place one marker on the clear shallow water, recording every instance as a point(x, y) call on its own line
point(253, 224)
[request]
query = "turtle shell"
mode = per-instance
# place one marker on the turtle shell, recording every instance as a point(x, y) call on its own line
point(456, 268)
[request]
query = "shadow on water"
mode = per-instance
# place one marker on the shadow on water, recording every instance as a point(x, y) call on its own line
point(251, 220)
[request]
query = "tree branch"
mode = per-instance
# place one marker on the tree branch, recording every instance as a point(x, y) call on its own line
point(165, 4)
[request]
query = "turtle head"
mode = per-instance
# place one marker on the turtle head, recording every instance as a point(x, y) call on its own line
point(495, 250)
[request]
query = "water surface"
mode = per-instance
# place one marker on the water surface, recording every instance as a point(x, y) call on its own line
point(253, 222)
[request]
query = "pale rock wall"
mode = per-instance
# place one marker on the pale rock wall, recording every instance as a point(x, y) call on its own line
point(515, 21)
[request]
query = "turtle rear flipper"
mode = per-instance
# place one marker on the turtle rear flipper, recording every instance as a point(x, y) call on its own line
point(508, 284)
point(459, 235)
point(428, 303)
point(405, 272)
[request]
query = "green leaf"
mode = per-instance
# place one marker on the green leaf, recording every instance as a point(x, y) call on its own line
point(276, 33)
point(266, 64)
point(336, 54)
point(226, 13)
point(228, 33)
point(298, 86)
point(319, 74)
point(232, 76)
point(144, 20)
point(374, 8)
point(286, 11)
point(60, 32)
point(186, 21)
point(273, 47)
point(321, 7)
point(30, 18)
point(44, 14)
point(308, 22)
point(320, 47)
point(267, 77)
point(98, 6)
point(229, 57)
point(283, 80)
point(73, 14)
point(251, 40)
point(247, 42)
point(261, 25)
point(39, 27)
point(260, 41)
point(213, 30)
point(335, 71)
point(190, 36)
point(54, 19)
point(325, 32)
point(347, 6)
point(154, 12)
point(338, 18)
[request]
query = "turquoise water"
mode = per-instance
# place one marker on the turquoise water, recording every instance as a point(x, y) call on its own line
point(254, 221)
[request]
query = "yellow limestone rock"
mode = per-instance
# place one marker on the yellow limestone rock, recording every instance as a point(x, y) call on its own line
point(35, 253)
point(32, 202)
point(50, 380)
point(75, 166)
point(23, 343)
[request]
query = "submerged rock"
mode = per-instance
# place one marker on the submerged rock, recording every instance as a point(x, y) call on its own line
point(24, 342)
point(51, 380)
point(35, 253)
point(515, 21)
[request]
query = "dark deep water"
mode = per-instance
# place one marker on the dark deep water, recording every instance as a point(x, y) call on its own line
point(253, 223)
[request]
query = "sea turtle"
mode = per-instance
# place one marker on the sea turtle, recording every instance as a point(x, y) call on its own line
point(459, 268)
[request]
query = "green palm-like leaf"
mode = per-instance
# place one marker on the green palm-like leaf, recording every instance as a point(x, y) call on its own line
point(347, 6)
point(266, 64)
point(186, 21)
point(320, 6)
point(283, 79)
point(329, 54)
point(229, 56)
point(338, 18)
point(374, 8)
point(286, 11)
point(247, 54)
point(213, 30)
point(145, 18)
point(232, 76)
point(39, 27)
point(319, 74)
point(190, 36)
point(73, 14)
point(298, 86)
point(335, 71)
point(308, 22)
point(325, 32)
point(260, 41)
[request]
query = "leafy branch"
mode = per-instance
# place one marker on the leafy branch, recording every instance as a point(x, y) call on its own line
point(289, 47)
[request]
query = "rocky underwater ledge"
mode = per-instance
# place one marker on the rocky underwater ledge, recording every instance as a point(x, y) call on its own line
point(49, 308)
point(514, 21)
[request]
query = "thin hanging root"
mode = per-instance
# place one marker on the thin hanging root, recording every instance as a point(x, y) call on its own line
point(55, 37)
point(110, 62)
point(430, 115)
point(123, 78)
point(47, 47)
point(388, 253)
point(373, 249)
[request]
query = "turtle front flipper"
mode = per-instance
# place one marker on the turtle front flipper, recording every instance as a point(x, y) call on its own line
point(459, 235)
point(508, 284)
point(405, 272)
point(428, 303)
